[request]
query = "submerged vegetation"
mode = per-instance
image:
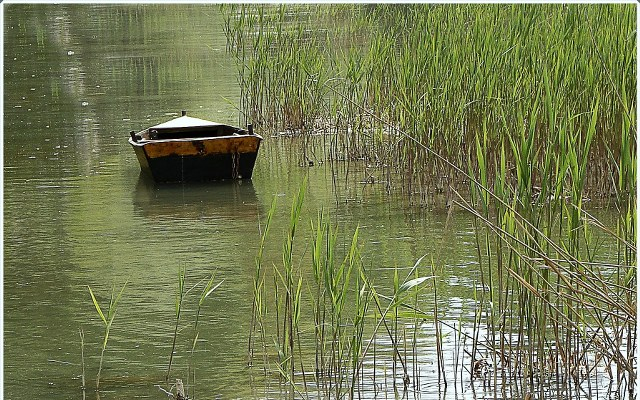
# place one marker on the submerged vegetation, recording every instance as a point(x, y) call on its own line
point(522, 115)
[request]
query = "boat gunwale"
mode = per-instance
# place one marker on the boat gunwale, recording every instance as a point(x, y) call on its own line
point(142, 142)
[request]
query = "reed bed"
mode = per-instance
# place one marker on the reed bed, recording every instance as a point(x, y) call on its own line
point(523, 116)
point(444, 73)
point(327, 313)
point(546, 322)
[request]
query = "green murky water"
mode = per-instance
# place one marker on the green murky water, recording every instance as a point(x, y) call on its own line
point(77, 79)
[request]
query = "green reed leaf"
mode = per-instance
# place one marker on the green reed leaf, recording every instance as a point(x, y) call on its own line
point(95, 303)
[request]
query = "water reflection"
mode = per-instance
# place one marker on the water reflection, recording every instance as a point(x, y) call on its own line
point(230, 200)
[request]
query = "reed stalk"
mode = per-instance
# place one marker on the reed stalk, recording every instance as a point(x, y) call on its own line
point(84, 385)
point(180, 293)
point(207, 290)
point(107, 320)
point(258, 307)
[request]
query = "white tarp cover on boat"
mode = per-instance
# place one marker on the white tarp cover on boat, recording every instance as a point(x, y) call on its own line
point(185, 122)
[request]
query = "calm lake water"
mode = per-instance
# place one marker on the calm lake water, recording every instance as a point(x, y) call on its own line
point(77, 213)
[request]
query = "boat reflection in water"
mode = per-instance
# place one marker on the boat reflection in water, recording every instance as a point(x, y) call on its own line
point(231, 199)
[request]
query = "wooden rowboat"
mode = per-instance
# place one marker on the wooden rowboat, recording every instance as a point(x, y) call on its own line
point(187, 149)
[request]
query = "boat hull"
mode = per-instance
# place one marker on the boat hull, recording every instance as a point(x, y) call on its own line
point(197, 160)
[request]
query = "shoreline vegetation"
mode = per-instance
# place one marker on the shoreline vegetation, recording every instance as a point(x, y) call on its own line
point(519, 114)
point(449, 76)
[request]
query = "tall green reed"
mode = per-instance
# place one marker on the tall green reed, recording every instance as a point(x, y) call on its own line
point(331, 311)
point(107, 320)
point(258, 308)
point(458, 68)
point(180, 293)
point(207, 290)
point(292, 286)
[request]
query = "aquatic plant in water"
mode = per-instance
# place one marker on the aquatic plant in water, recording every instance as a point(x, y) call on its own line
point(457, 71)
point(180, 299)
point(107, 320)
point(337, 304)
